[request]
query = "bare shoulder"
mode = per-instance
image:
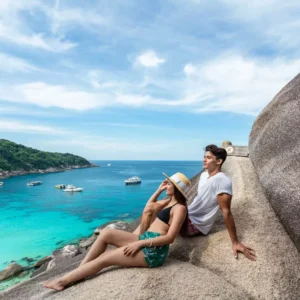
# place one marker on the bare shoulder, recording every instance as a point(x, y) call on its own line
point(180, 208)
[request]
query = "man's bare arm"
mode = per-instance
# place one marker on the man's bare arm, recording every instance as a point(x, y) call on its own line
point(224, 201)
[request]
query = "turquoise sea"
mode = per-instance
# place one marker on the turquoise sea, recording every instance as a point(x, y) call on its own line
point(34, 221)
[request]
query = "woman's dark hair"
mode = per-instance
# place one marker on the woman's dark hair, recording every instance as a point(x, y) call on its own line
point(182, 200)
point(218, 152)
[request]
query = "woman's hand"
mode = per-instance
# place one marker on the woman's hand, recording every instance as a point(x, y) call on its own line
point(132, 248)
point(163, 185)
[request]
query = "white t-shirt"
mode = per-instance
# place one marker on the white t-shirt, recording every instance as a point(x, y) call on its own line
point(204, 208)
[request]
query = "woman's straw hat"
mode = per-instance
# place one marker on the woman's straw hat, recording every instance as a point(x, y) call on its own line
point(180, 181)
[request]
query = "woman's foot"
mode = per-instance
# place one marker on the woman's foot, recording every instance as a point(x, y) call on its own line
point(55, 284)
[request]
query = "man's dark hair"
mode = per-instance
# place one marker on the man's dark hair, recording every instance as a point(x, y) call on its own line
point(218, 152)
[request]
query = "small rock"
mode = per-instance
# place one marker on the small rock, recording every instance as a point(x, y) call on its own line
point(69, 250)
point(11, 270)
point(23, 274)
point(43, 261)
point(85, 243)
point(120, 225)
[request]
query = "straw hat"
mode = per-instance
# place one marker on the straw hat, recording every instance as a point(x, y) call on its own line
point(180, 181)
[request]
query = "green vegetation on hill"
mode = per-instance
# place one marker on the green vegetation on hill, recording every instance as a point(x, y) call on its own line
point(18, 157)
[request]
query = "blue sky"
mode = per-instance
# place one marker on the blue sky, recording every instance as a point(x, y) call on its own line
point(147, 80)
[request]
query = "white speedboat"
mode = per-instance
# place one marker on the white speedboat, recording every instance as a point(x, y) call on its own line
point(1, 183)
point(133, 180)
point(34, 183)
point(72, 188)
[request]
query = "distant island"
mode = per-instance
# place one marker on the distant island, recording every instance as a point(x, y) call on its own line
point(17, 159)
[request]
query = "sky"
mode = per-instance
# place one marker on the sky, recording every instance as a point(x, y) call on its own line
point(141, 80)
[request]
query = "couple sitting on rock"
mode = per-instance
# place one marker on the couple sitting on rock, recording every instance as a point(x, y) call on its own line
point(162, 221)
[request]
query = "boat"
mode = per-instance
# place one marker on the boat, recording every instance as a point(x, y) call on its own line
point(133, 180)
point(108, 165)
point(72, 188)
point(34, 183)
point(1, 183)
point(60, 186)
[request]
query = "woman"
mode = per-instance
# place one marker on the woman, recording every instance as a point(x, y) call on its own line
point(148, 249)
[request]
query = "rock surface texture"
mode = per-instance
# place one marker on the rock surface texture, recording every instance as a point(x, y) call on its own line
point(275, 151)
point(200, 267)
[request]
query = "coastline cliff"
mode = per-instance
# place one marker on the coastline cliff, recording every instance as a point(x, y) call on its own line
point(16, 159)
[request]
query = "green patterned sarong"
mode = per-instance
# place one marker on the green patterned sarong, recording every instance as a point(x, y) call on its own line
point(154, 256)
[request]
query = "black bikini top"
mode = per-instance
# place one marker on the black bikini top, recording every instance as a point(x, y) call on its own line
point(164, 214)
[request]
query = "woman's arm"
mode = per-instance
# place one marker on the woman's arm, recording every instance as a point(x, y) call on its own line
point(157, 193)
point(179, 215)
point(151, 208)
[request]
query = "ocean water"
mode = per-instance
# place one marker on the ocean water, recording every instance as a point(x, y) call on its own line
point(34, 221)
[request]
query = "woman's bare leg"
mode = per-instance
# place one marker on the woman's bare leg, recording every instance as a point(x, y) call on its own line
point(110, 258)
point(113, 237)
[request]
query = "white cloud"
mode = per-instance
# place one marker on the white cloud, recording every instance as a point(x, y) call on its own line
point(99, 80)
point(45, 95)
point(72, 17)
point(114, 124)
point(237, 84)
point(149, 59)
point(16, 110)
point(11, 64)
point(15, 29)
point(189, 69)
point(35, 40)
point(22, 127)
point(133, 100)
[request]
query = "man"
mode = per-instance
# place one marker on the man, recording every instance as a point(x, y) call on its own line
point(214, 193)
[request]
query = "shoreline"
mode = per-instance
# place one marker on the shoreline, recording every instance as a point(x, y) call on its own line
point(28, 270)
point(8, 174)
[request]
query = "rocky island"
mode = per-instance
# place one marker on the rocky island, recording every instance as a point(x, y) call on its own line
point(16, 159)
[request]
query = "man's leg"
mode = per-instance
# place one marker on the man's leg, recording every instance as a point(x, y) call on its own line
point(193, 230)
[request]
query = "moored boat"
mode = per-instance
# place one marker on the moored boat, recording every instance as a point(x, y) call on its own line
point(34, 183)
point(133, 180)
point(1, 183)
point(72, 188)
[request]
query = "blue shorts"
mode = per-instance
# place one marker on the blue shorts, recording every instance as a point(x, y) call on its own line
point(154, 256)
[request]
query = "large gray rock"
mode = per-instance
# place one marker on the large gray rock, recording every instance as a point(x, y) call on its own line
point(275, 152)
point(276, 273)
point(175, 280)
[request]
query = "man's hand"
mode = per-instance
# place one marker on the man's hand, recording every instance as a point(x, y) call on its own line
point(132, 249)
point(247, 251)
